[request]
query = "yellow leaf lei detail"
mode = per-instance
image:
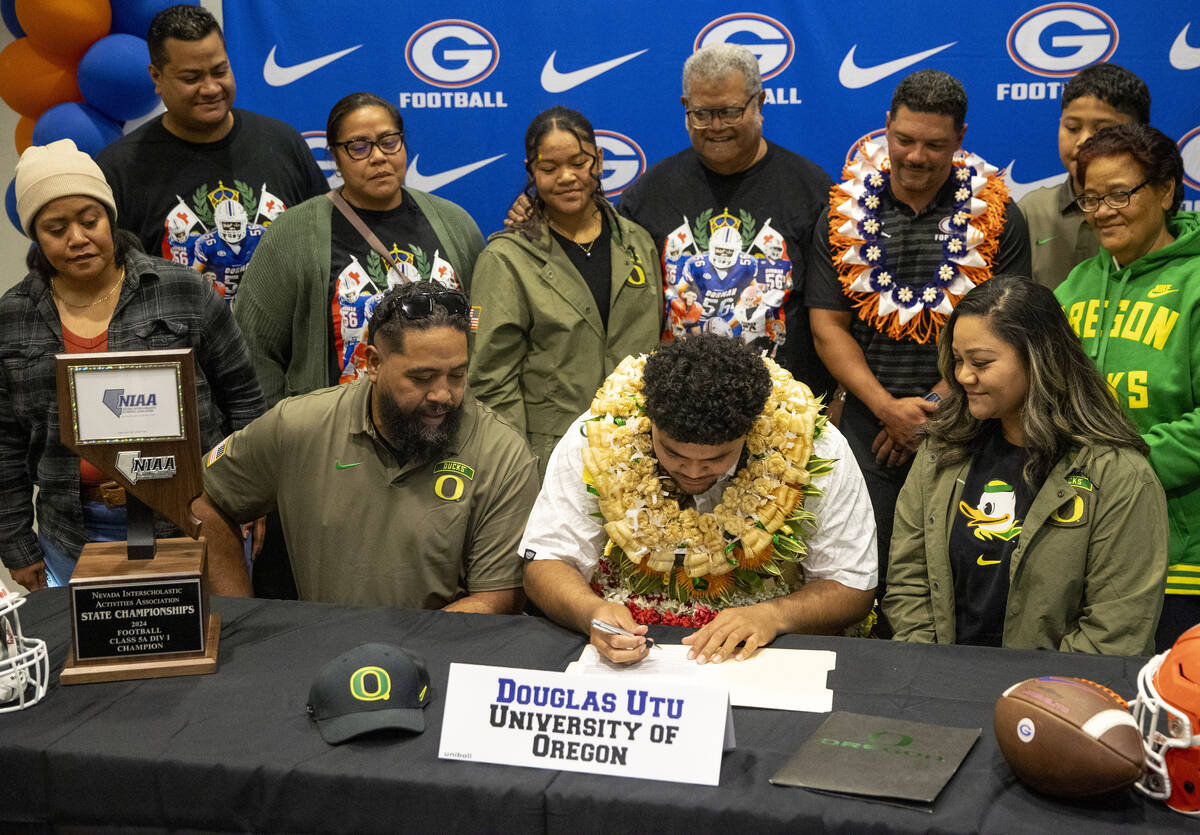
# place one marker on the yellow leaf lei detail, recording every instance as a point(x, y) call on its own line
point(703, 557)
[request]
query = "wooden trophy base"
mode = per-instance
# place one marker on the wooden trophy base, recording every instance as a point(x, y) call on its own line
point(135, 619)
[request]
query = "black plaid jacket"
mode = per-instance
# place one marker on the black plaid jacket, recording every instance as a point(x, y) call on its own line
point(162, 305)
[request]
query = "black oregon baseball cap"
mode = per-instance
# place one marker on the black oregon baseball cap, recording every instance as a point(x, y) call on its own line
point(370, 688)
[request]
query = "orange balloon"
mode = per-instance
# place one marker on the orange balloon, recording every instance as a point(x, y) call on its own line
point(31, 83)
point(23, 135)
point(64, 28)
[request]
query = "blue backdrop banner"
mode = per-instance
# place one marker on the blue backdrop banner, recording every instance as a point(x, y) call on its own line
point(469, 75)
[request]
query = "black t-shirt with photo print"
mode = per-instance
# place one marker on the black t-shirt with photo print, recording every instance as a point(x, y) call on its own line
point(360, 276)
point(985, 532)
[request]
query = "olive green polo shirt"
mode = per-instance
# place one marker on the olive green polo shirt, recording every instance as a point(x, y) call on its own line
point(363, 529)
point(1059, 235)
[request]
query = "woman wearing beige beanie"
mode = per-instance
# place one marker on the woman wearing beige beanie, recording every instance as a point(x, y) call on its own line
point(90, 288)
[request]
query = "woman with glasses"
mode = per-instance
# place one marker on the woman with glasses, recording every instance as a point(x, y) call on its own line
point(306, 300)
point(1031, 518)
point(1135, 306)
point(566, 294)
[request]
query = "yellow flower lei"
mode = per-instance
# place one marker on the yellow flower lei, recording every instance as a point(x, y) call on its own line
point(687, 555)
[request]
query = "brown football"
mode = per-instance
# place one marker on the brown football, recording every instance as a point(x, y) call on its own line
point(1068, 737)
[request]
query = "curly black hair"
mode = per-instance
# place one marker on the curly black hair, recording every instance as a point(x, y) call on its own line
point(705, 389)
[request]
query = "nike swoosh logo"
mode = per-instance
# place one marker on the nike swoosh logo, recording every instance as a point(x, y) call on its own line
point(432, 182)
point(1158, 294)
point(278, 76)
point(981, 561)
point(342, 466)
point(1046, 240)
point(1018, 190)
point(854, 77)
point(554, 81)
point(1183, 55)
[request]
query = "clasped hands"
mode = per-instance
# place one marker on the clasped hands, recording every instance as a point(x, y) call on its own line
point(899, 437)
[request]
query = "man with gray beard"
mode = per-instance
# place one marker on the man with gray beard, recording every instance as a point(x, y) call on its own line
point(396, 489)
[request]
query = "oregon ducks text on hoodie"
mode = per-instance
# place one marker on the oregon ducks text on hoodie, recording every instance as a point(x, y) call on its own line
point(1139, 323)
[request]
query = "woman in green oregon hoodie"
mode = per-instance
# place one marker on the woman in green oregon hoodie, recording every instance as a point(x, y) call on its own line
point(559, 300)
point(1136, 306)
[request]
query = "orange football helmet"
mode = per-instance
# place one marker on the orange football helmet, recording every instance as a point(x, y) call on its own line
point(1167, 710)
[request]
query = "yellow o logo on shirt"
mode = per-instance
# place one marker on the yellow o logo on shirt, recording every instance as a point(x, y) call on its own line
point(382, 684)
point(637, 276)
point(1076, 513)
point(449, 487)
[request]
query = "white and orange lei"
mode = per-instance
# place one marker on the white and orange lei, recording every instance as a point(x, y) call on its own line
point(675, 566)
point(858, 242)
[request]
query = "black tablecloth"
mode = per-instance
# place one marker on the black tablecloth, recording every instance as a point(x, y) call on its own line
point(236, 750)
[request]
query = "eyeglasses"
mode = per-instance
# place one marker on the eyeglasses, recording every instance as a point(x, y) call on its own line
point(1114, 199)
point(421, 305)
point(389, 143)
point(702, 117)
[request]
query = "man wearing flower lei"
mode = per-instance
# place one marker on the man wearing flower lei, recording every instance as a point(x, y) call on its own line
point(911, 229)
point(703, 488)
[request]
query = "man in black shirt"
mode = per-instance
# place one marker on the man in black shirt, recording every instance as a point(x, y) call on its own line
point(901, 242)
point(734, 185)
point(169, 175)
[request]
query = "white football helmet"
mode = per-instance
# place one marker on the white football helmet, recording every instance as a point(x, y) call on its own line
point(177, 230)
point(773, 247)
point(24, 663)
point(231, 221)
point(724, 247)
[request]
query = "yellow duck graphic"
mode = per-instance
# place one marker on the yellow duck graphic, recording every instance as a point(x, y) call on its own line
point(993, 517)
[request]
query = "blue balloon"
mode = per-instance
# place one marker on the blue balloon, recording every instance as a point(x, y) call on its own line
point(132, 17)
point(8, 11)
point(10, 204)
point(88, 127)
point(113, 79)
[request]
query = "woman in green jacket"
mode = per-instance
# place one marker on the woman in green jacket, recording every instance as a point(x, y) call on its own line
point(1031, 517)
point(564, 296)
point(304, 303)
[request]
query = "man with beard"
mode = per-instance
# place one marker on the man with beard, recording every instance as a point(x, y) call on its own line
point(703, 488)
point(395, 489)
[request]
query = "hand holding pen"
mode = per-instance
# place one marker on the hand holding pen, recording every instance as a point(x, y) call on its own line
point(616, 636)
point(610, 629)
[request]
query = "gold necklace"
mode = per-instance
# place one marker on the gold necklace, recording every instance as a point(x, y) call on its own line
point(587, 250)
point(116, 286)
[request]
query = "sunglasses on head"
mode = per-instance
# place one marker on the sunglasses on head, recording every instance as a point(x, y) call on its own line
point(421, 305)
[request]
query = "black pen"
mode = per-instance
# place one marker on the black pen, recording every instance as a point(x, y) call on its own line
point(605, 626)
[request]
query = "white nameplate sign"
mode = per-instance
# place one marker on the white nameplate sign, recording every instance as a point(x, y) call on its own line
point(653, 728)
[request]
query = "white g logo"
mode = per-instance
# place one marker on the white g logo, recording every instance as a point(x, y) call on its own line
point(316, 142)
point(775, 46)
point(624, 161)
point(1025, 730)
point(1077, 36)
point(1189, 148)
point(470, 57)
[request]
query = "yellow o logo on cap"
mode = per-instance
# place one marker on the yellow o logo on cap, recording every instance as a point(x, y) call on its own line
point(452, 493)
point(382, 689)
point(637, 276)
